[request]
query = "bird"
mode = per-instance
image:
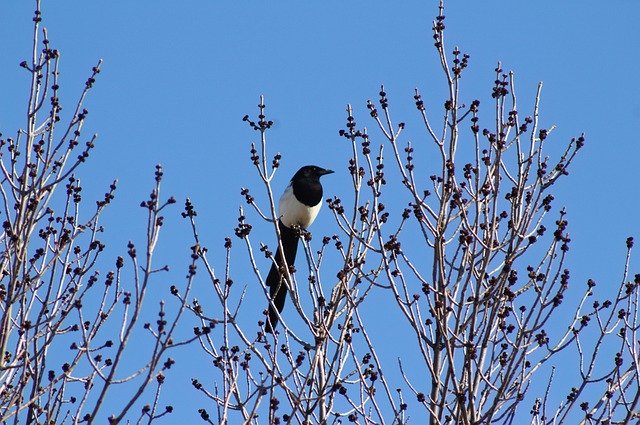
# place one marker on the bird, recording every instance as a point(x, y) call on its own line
point(297, 209)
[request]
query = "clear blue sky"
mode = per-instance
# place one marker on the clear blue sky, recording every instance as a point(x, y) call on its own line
point(179, 76)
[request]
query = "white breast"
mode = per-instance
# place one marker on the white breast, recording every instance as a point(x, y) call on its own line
point(293, 212)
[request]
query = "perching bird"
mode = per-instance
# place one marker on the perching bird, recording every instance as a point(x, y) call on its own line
point(299, 206)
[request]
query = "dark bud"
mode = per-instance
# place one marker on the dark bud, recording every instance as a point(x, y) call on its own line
point(543, 134)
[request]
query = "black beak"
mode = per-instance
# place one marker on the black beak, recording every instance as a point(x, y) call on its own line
point(323, 172)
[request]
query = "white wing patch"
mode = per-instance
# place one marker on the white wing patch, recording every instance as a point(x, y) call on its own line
point(294, 212)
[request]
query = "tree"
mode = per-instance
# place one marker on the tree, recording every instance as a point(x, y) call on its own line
point(55, 303)
point(475, 264)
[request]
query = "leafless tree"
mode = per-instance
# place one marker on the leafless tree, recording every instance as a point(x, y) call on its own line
point(64, 326)
point(474, 264)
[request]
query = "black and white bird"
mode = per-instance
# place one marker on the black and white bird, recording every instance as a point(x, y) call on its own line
point(298, 207)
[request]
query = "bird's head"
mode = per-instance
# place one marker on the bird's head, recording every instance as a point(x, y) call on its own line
point(310, 172)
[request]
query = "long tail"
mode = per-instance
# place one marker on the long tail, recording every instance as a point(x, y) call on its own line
point(275, 280)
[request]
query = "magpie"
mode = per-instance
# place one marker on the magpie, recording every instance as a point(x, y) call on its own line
point(298, 208)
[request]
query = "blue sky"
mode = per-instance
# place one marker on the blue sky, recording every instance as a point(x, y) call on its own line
point(179, 76)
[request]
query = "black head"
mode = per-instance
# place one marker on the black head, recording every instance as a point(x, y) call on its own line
point(310, 172)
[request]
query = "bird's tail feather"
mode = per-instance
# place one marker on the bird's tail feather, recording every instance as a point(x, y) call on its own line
point(275, 281)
